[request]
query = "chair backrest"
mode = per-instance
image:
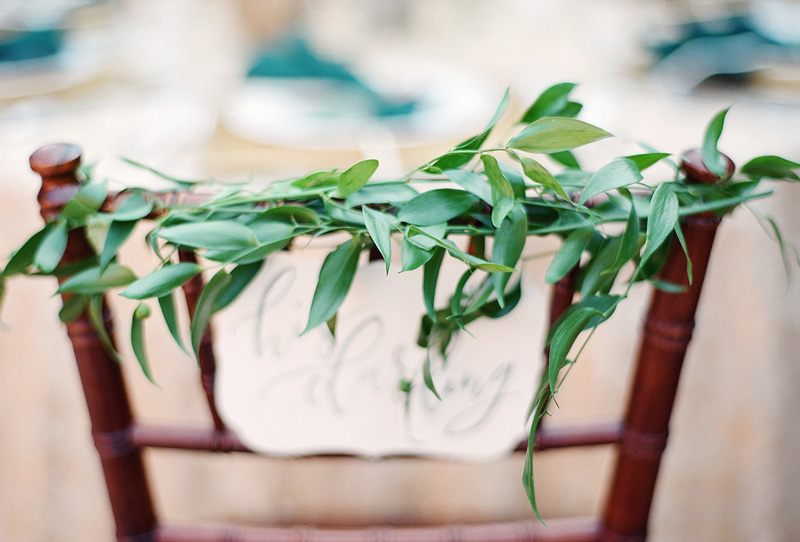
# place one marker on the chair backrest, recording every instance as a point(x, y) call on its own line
point(640, 436)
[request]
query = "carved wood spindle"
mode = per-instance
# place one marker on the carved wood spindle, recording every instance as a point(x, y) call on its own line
point(667, 332)
point(101, 377)
point(208, 364)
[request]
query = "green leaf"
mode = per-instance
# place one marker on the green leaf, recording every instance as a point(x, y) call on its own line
point(73, 308)
point(509, 241)
point(137, 339)
point(539, 174)
point(644, 161)
point(331, 324)
point(564, 337)
point(669, 287)
point(342, 214)
point(319, 179)
point(118, 233)
point(682, 241)
point(426, 375)
point(550, 103)
point(357, 176)
point(456, 252)
point(720, 206)
point(133, 207)
point(95, 231)
point(377, 193)
point(483, 265)
point(379, 226)
point(270, 231)
point(571, 110)
point(456, 310)
point(228, 196)
point(573, 179)
point(502, 193)
point(550, 135)
point(2, 290)
point(67, 270)
point(205, 307)
point(51, 248)
point(783, 246)
point(246, 255)
point(472, 183)
point(599, 275)
point(772, 167)
point(566, 158)
point(97, 281)
point(712, 158)
point(335, 278)
point(161, 281)
point(436, 206)
point(86, 202)
point(456, 160)
point(294, 214)
point(515, 178)
point(426, 237)
point(527, 470)
point(430, 279)
point(96, 317)
point(220, 234)
point(23, 258)
point(498, 113)
point(569, 255)
point(241, 276)
point(649, 267)
point(477, 300)
point(511, 296)
point(629, 242)
point(183, 183)
point(86, 171)
point(538, 411)
point(618, 173)
point(603, 304)
point(412, 255)
point(167, 305)
point(662, 220)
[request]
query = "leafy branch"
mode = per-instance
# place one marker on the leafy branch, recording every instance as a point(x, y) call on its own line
point(475, 203)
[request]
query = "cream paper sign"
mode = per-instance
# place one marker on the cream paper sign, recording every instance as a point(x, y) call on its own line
point(287, 394)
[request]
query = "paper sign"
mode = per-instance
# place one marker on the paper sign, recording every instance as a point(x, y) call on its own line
point(286, 394)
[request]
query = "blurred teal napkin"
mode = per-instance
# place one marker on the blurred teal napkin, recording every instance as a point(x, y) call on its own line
point(292, 57)
point(30, 44)
point(727, 49)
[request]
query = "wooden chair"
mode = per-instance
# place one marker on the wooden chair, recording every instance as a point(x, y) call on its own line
point(640, 437)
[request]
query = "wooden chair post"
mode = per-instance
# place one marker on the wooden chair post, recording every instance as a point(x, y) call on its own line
point(101, 377)
point(667, 332)
point(206, 358)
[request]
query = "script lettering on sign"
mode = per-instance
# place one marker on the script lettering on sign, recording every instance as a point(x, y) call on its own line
point(287, 394)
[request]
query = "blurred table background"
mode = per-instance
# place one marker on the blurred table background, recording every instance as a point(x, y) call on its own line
point(161, 82)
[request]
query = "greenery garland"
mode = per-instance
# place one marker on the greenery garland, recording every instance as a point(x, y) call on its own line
point(466, 192)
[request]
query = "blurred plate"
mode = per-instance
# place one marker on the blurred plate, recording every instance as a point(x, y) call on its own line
point(324, 115)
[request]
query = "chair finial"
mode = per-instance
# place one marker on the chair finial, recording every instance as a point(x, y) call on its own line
point(57, 165)
point(56, 160)
point(696, 171)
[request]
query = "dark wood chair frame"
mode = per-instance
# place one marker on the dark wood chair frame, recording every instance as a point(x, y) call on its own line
point(640, 436)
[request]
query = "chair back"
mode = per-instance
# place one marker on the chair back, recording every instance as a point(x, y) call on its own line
point(640, 436)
